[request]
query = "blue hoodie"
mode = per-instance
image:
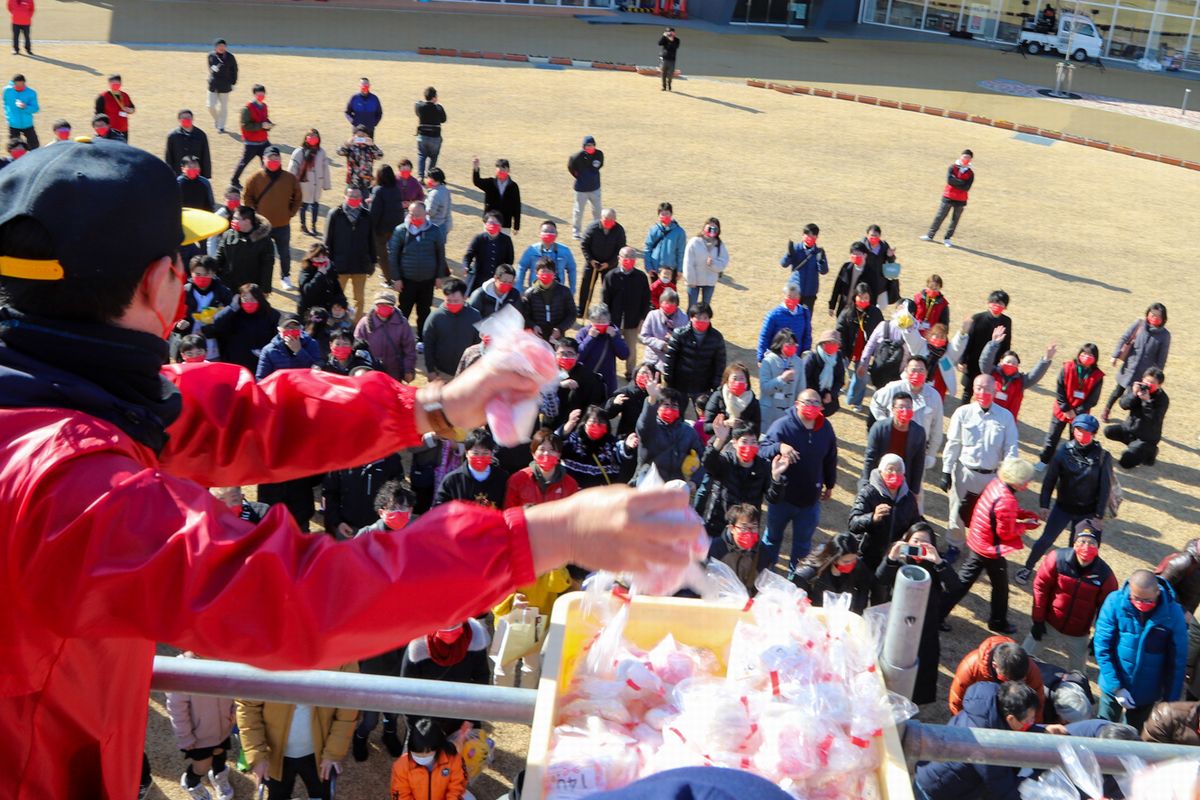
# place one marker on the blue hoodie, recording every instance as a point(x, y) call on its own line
point(961, 781)
point(777, 319)
point(1145, 653)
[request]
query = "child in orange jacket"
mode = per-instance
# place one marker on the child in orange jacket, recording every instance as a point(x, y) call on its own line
point(431, 769)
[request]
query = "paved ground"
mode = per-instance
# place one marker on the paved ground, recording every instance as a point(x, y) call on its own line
point(1083, 240)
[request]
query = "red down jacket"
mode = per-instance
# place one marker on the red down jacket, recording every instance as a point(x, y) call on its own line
point(1066, 596)
point(998, 522)
point(107, 549)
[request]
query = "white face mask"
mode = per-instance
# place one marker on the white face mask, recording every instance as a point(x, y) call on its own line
point(424, 761)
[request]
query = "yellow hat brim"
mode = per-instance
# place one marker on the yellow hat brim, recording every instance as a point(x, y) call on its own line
point(199, 225)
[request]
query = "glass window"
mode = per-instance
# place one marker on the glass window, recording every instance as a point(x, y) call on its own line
point(907, 13)
point(1129, 33)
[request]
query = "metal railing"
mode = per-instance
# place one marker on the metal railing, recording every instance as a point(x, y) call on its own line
point(922, 742)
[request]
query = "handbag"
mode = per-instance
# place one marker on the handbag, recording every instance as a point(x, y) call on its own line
point(1127, 345)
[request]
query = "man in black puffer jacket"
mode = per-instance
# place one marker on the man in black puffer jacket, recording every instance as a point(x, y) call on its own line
point(350, 494)
point(549, 307)
point(246, 253)
point(739, 474)
point(695, 358)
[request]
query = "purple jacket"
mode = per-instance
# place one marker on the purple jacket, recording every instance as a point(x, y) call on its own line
point(656, 332)
point(600, 354)
point(392, 343)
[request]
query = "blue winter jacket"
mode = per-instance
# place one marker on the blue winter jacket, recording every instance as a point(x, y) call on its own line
point(564, 259)
point(600, 354)
point(1145, 653)
point(664, 247)
point(807, 265)
point(276, 356)
point(817, 465)
point(20, 117)
point(956, 780)
point(364, 110)
point(777, 319)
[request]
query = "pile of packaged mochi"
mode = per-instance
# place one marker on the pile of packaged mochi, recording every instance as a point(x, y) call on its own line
point(800, 700)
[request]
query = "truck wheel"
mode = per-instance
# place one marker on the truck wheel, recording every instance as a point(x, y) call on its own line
point(1033, 48)
point(1080, 55)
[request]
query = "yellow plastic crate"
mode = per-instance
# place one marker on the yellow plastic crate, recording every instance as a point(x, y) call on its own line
point(691, 622)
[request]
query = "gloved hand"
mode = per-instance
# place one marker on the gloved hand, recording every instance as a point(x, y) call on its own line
point(945, 482)
point(1125, 699)
point(1038, 630)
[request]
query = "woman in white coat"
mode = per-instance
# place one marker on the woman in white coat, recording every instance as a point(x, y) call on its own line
point(310, 164)
point(779, 378)
point(704, 260)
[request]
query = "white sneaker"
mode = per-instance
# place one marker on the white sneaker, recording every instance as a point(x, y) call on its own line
point(420, 347)
point(286, 282)
point(925, 237)
point(220, 782)
point(197, 792)
point(947, 243)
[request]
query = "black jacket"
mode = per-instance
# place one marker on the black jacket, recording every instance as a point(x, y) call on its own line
point(602, 245)
point(942, 580)
point(667, 48)
point(241, 336)
point(957, 780)
point(1082, 476)
point(461, 485)
point(430, 117)
point(351, 244)
point(978, 335)
point(752, 415)
point(876, 262)
point(839, 298)
point(318, 289)
point(692, 364)
point(850, 320)
point(732, 484)
point(484, 254)
point(626, 414)
point(627, 295)
point(817, 579)
point(222, 295)
point(877, 537)
point(507, 205)
point(879, 438)
point(1145, 420)
point(589, 391)
point(195, 193)
point(487, 303)
point(225, 76)
point(549, 309)
point(247, 258)
point(387, 209)
point(182, 143)
point(350, 493)
point(811, 365)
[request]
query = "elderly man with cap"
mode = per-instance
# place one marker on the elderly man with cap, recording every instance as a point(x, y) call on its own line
point(1081, 470)
point(981, 435)
point(585, 168)
point(106, 456)
point(275, 193)
point(601, 247)
point(1072, 584)
point(222, 77)
point(389, 337)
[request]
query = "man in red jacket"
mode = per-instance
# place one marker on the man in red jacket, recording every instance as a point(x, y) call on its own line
point(959, 178)
point(111, 541)
point(117, 105)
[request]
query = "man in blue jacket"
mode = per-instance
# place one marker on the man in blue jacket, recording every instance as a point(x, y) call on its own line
point(291, 348)
point(20, 104)
point(1141, 647)
point(808, 263)
point(547, 247)
point(1008, 706)
point(790, 315)
point(585, 168)
point(665, 242)
point(807, 440)
point(364, 108)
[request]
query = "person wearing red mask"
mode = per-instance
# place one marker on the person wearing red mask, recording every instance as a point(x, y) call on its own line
point(233, 498)
point(979, 333)
point(275, 194)
point(117, 105)
point(102, 129)
point(591, 454)
point(738, 544)
point(222, 77)
point(344, 358)
point(363, 109)
point(310, 164)
point(579, 387)
point(959, 179)
point(879, 253)
point(205, 295)
point(361, 498)
point(1140, 646)
point(1141, 431)
point(1072, 584)
point(292, 348)
point(738, 474)
point(791, 314)
point(601, 246)
point(389, 337)
point(417, 263)
point(884, 509)
point(501, 194)
point(244, 327)
point(807, 440)
point(997, 526)
point(188, 140)
point(449, 331)
point(62, 131)
point(694, 362)
point(255, 123)
point(319, 284)
point(807, 262)
point(196, 192)
point(626, 405)
point(246, 253)
point(479, 479)
point(926, 403)
point(779, 377)
point(1011, 382)
point(1079, 385)
point(665, 243)
point(734, 401)
point(547, 247)
point(900, 435)
point(496, 292)
point(361, 153)
point(230, 201)
point(932, 308)
point(549, 306)
point(704, 261)
point(1145, 343)
point(489, 249)
point(659, 326)
point(824, 371)
point(626, 292)
point(585, 168)
point(836, 567)
point(854, 272)
point(601, 345)
point(544, 479)
point(855, 325)
point(664, 440)
point(190, 349)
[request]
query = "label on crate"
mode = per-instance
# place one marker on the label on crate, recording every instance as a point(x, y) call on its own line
point(571, 781)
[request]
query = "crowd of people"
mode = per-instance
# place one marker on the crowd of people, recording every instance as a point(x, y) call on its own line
point(645, 385)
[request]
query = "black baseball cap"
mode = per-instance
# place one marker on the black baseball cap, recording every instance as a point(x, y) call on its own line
point(109, 208)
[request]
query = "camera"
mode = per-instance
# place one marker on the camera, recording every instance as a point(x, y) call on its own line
point(911, 550)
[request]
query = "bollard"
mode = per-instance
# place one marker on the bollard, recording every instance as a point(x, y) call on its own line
point(902, 638)
point(1183, 108)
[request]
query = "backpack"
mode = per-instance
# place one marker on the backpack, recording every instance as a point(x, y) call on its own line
point(886, 362)
point(1115, 493)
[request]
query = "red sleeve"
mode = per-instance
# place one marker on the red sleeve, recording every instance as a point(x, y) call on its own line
point(1044, 584)
point(123, 551)
point(512, 491)
point(234, 431)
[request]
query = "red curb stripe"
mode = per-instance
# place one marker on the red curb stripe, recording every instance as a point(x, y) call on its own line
point(427, 51)
point(1055, 135)
point(1147, 156)
point(889, 103)
point(516, 57)
point(1099, 145)
point(822, 92)
point(871, 101)
point(1191, 165)
point(447, 51)
point(978, 120)
point(470, 54)
point(910, 106)
point(844, 96)
point(933, 111)
point(961, 116)
point(560, 61)
point(603, 65)
point(494, 56)
point(626, 68)
point(1003, 123)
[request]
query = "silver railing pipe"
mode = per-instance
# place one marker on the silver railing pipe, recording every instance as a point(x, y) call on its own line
point(902, 637)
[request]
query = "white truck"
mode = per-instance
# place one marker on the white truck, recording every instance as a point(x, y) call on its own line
point(1076, 37)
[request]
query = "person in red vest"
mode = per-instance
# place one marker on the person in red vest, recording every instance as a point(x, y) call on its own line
point(256, 124)
point(1078, 390)
point(959, 179)
point(932, 307)
point(117, 105)
point(112, 541)
point(1011, 383)
point(21, 12)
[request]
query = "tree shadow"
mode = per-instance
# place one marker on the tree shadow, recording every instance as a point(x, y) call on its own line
point(724, 103)
point(56, 62)
point(1038, 268)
